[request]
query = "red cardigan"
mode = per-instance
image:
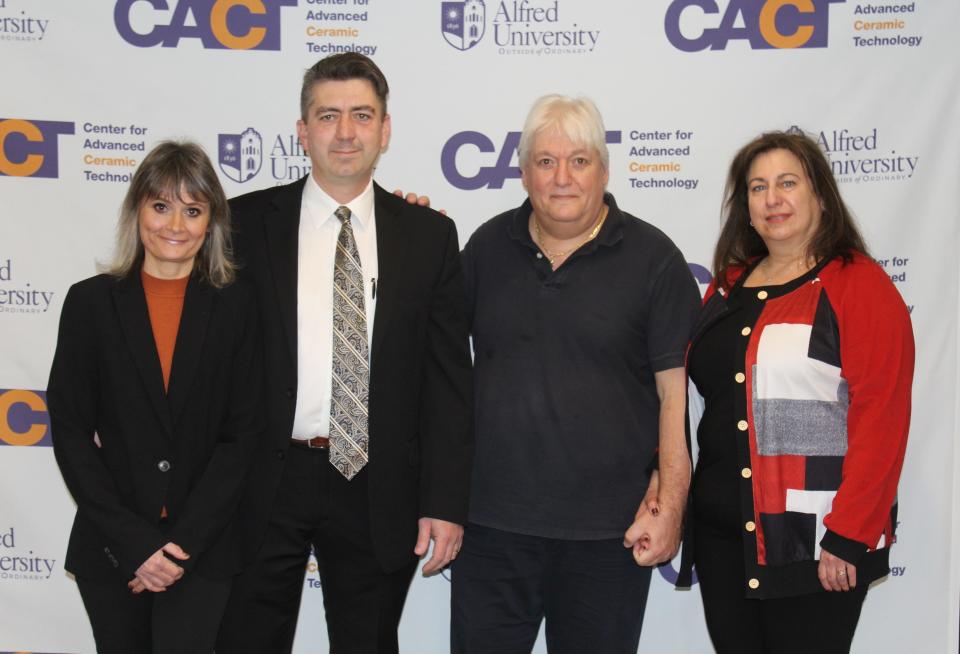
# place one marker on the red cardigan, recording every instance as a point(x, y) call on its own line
point(829, 367)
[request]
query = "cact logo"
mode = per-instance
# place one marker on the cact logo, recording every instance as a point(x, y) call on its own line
point(219, 24)
point(764, 23)
point(487, 176)
point(671, 574)
point(463, 23)
point(28, 148)
point(23, 418)
point(701, 273)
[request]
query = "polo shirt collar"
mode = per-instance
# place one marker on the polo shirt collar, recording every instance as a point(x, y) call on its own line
point(610, 233)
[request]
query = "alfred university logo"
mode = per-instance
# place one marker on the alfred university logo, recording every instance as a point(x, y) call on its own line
point(240, 155)
point(463, 23)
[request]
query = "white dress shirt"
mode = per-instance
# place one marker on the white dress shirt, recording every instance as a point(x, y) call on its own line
point(319, 229)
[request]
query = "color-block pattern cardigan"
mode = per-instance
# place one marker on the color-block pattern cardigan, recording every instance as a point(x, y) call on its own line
point(822, 423)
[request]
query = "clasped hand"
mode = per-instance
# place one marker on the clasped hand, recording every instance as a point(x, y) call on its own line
point(158, 573)
point(655, 532)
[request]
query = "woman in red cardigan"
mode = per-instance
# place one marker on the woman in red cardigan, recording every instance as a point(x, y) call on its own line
point(154, 399)
point(804, 357)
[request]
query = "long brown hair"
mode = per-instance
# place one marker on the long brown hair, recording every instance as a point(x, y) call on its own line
point(739, 244)
point(168, 170)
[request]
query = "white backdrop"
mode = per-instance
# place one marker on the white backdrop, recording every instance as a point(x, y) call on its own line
point(87, 87)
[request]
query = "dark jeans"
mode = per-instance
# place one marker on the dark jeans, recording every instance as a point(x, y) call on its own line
point(819, 622)
point(316, 506)
point(181, 620)
point(591, 593)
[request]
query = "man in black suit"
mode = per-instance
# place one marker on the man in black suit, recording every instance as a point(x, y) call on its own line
point(369, 443)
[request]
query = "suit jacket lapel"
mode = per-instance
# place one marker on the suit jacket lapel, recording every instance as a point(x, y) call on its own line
point(392, 243)
point(282, 225)
point(134, 317)
point(197, 306)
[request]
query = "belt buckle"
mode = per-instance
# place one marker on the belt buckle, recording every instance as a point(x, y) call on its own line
point(323, 443)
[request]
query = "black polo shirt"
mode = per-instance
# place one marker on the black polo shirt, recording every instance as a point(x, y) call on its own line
point(566, 403)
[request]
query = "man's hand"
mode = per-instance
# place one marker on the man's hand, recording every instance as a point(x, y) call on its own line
point(413, 198)
point(158, 572)
point(655, 532)
point(447, 538)
point(654, 537)
point(835, 573)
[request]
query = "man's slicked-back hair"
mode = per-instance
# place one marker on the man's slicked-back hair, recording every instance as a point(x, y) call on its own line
point(340, 68)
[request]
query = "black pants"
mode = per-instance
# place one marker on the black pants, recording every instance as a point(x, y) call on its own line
point(819, 622)
point(317, 506)
point(181, 620)
point(591, 593)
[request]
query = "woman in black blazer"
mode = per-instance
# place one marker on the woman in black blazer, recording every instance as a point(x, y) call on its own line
point(154, 401)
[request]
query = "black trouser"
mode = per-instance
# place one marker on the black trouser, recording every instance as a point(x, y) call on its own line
point(317, 506)
point(819, 622)
point(180, 620)
point(591, 593)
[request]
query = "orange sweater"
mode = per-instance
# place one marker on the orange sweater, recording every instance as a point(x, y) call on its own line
point(165, 304)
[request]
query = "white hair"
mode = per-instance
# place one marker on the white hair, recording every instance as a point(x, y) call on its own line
point(578, 119)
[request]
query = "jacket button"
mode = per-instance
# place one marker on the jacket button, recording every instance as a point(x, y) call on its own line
point(750, 526)
point(746, 473)
point(163, 466)
point(280, 454)
point(740, 377)
point(743, 425)
point(754, 583)
point(289, 392)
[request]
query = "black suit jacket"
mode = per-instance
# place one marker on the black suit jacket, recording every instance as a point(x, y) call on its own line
point(421, 434)
point(187, 449)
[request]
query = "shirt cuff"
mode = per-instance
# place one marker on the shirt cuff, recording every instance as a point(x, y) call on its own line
point(849, 550)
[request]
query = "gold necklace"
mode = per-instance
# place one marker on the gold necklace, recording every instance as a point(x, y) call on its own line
point(769, 276)
point(553, 256)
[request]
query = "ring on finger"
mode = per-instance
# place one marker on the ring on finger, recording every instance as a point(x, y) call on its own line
point(842, 573)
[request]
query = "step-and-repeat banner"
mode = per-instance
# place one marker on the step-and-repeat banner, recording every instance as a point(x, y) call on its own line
point(89, 87)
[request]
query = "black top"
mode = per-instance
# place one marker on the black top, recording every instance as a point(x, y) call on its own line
point(715, 360)
point(715, 364)
point(566, 402)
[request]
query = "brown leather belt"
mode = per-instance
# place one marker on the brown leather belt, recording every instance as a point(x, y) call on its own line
point(315, 443)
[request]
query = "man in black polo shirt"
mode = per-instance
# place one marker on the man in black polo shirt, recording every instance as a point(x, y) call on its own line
point(580, 315)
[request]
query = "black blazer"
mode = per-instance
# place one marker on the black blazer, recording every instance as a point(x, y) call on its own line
point(421, 430)
point(187, 449)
